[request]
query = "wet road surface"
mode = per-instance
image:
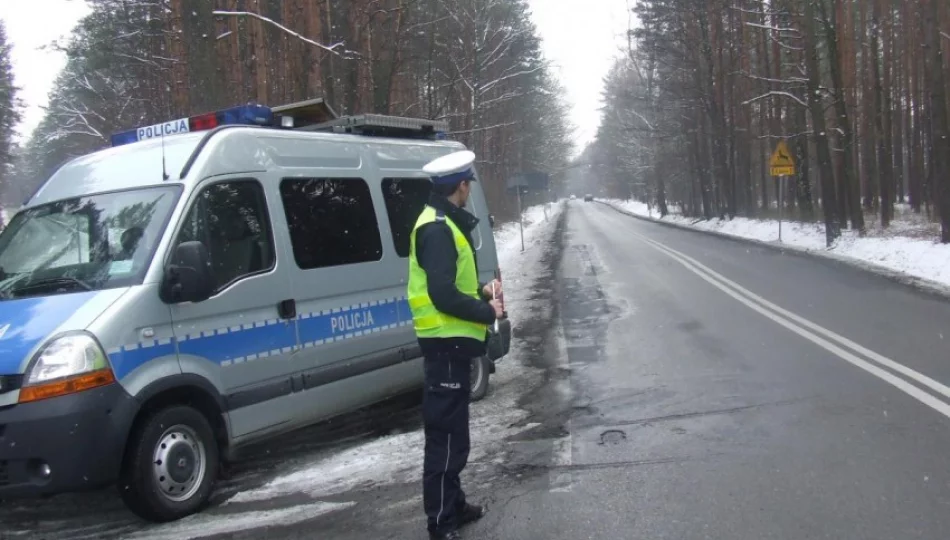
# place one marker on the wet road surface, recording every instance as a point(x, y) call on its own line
point(700, 412)
point(675, 385)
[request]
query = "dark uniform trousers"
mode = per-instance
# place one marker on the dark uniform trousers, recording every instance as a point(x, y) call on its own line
point(445, 413)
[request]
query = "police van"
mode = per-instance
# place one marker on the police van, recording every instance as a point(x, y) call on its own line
point(208, 283)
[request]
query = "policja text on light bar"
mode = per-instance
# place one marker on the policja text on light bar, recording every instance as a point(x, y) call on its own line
point(249, 115)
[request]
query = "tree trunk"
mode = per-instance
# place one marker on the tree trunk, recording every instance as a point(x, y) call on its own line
point(881, 119)
point(916, 181)
point(703, 167)
point(329, 68)
point(812, 62)
point(714, 110)
point(803, 179)
point(940, 154)
point(850, 186)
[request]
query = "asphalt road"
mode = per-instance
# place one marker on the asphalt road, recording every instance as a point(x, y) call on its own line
point(681, 386)
point(696, 415)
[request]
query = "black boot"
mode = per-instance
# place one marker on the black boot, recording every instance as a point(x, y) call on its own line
point(471, 513)
point(451, 535)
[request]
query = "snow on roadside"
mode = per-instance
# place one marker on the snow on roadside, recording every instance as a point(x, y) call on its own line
point(508, 236)
point(398, 458)
point(916, 257)
point(201, 525)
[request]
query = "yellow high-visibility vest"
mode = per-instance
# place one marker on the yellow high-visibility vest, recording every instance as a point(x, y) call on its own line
point(427, 320)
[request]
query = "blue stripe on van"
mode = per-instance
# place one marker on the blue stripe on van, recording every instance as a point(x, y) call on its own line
point(128, 358)
point(265, 338)
point(262, 339)
point(354, 321)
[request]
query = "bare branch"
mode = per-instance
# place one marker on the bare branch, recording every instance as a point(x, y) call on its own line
point(492, 84)
point(797, 80)
point(642, 118)
point(329, 48)
point(75, 121)
point(412, 27)
point(774, 28)
point(141, 60)
point(461, 74)
point(777, 93)
point(504, 97)
point(789, 47)
point(793, 136)
point(486, 128)
point(752, 11)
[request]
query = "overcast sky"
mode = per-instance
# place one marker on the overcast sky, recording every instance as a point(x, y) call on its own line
point(581, 38)
point(32, 25)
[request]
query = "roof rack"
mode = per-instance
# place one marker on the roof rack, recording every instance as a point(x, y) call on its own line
point(378, 125)
point(303, 113)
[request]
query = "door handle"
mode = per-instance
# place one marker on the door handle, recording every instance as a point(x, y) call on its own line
point(287, 309)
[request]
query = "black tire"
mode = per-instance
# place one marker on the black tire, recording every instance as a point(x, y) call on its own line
point(176, 434)
point(481, 371)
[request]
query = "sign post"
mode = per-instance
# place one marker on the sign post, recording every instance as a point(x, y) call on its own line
point(781, 164)
point(525, 183)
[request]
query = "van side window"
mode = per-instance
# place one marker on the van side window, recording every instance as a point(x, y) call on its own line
point(231, 219)
point(405, 198)
point(332, 221)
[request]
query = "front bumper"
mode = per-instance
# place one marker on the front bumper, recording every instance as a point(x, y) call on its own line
point(68, 443)
point(499, 343)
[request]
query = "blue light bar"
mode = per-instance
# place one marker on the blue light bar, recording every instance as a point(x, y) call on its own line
point(126, 137)
point(247, 115)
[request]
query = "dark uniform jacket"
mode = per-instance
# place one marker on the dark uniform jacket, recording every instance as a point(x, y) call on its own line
point(435, 251)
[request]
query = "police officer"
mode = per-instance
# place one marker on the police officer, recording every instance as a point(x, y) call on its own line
point(451, 312)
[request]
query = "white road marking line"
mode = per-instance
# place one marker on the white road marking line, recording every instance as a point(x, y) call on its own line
point(869, 354)
point(750, 299)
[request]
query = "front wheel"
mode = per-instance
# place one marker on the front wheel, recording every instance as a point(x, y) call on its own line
point(481, 369)
point(171, 465)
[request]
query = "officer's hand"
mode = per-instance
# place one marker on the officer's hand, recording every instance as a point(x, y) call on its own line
point(487, 290)
point(499, 308)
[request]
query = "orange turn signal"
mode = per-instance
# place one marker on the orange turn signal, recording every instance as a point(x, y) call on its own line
point(70, 385)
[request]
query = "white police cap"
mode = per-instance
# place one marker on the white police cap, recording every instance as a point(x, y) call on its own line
point(452, 169)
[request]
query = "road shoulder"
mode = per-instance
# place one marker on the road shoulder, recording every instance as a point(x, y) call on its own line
point(918, 283)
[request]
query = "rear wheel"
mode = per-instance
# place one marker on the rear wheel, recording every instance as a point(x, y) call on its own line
point(171, 465)
point(481, 369)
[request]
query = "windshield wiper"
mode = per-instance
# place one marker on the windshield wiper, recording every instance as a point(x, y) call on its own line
point(51, 283)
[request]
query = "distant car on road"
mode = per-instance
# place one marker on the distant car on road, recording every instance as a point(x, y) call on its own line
point(588, 198)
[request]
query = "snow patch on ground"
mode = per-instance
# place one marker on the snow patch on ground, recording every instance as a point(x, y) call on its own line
point(398, 458)
point(384, 461)
point(921, 258)
point(202, 525)
point(508, 235)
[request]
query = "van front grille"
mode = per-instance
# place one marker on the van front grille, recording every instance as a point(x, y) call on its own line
point(9, 383)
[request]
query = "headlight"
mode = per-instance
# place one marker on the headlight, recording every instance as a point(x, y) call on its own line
point(66, 356)
point(67, 364)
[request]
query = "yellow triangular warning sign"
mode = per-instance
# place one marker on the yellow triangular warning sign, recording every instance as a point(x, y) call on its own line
point(781, 157)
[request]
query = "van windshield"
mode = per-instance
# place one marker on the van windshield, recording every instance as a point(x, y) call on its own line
point(85, 243)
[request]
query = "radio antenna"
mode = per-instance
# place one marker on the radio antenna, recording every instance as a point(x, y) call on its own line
point(164, 170)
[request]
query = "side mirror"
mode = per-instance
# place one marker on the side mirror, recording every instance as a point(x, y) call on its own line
point(491, 220)
point(188, 276)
